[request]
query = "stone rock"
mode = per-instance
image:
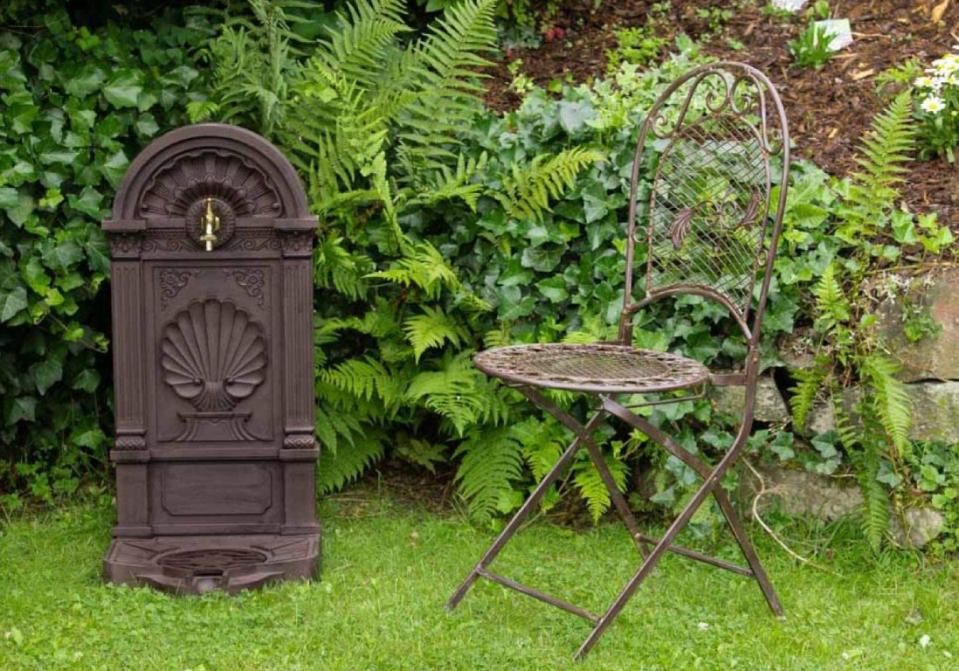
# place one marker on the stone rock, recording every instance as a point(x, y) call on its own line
point(770, 406)
point(924, 525)
point(935, 414)
point(796, 350)
point(799, 493)
point(933, 357)
point(820, 419)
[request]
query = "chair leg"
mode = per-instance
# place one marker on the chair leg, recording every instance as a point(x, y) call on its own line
point(661, 547)
point(704, 470)
point(748, 552)
point(596, 456)
point(528, 506)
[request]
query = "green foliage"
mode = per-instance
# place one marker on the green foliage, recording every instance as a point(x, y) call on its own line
point(935, 472)
point(77, 105)
point(640, 45)
point(381, 132)
point(811, 48)
point(937, 111)
point(872, 407)
point(528, 190)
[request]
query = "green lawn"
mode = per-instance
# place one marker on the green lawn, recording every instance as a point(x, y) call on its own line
point(388, 569)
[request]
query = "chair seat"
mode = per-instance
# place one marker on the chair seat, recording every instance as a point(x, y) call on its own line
point(596, 367)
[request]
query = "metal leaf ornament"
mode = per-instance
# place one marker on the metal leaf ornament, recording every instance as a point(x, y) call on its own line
point(213, 355)
point(751, 210)
point(681, 226)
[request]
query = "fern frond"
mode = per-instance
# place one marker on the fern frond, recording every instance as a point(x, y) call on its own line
point(445, 65)
point(424, 267)
point(357, 45)
point(422, 453)
point(445, 184)
point(527, 191)
point(341, 269)
point(832, 305)
point(365, 379)
point(591, 486)
point(490, 462)
point(890, 401)
point(846, 427)
point(459, 393)
point(885, 150)
point(432, 329)
point(352, 449)
point(543, 441)
point(866, 461)
point(809, 384)
point(498, 337)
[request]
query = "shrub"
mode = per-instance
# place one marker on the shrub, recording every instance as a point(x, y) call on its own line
point(78, 104)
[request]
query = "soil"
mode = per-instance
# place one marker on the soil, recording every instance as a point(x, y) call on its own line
point(829, 108)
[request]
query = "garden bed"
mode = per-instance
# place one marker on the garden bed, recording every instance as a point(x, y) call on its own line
point(829, 108)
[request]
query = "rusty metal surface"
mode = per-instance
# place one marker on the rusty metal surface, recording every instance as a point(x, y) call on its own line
point(599, 367)
point(211, 247)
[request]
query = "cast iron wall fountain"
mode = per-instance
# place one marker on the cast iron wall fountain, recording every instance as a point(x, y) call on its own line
point(212, 244)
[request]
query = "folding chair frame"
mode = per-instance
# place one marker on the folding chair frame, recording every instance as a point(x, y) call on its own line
point(651, 549)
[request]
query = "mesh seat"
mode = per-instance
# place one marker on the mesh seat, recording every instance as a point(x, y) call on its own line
point(597, 367)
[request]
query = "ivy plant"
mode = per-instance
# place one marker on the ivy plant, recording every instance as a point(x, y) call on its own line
point(77, 105)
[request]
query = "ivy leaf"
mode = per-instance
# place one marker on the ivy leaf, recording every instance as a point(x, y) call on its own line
point(86, 81)
point(146, 125)
point(553, 288)
point(12, 302)
point(88, 202)
point(87, 381)
point(114, 167)
point(91, 438)
point(35, 275)
point(595, 203)
point(21, 409)
point(573, 116)
point(8, 197)
point(46, 374)
point(22, 209)
point(62, 256)
point(124, 88)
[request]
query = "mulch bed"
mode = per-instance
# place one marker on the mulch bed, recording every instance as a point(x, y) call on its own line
point(829, 108)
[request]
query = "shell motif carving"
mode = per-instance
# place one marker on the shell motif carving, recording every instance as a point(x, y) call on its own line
point(209, 174)
point(213, 355)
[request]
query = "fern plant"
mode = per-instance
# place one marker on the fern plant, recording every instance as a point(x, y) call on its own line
point(872, 407)
point(373, 119)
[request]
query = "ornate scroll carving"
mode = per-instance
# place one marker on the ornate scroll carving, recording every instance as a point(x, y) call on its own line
point(251, 279)
point(297, 243)
point(243, 239)
point(125, 245)
point(172, 280)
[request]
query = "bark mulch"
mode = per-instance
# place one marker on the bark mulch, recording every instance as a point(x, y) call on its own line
point(829, 108)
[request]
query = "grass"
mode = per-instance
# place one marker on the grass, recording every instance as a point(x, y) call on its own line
point(388, 569)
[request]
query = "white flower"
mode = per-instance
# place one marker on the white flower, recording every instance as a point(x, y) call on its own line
point(924, 641)
point(946, 65)
point(933, 105)
point(924, 82)
point(703, 626)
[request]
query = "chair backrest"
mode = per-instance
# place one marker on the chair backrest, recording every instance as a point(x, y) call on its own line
point(708, 224)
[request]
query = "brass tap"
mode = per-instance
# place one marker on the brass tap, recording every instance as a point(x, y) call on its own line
point(211, 224)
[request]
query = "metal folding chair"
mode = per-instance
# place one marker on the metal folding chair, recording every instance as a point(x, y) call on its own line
point(710, 227)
